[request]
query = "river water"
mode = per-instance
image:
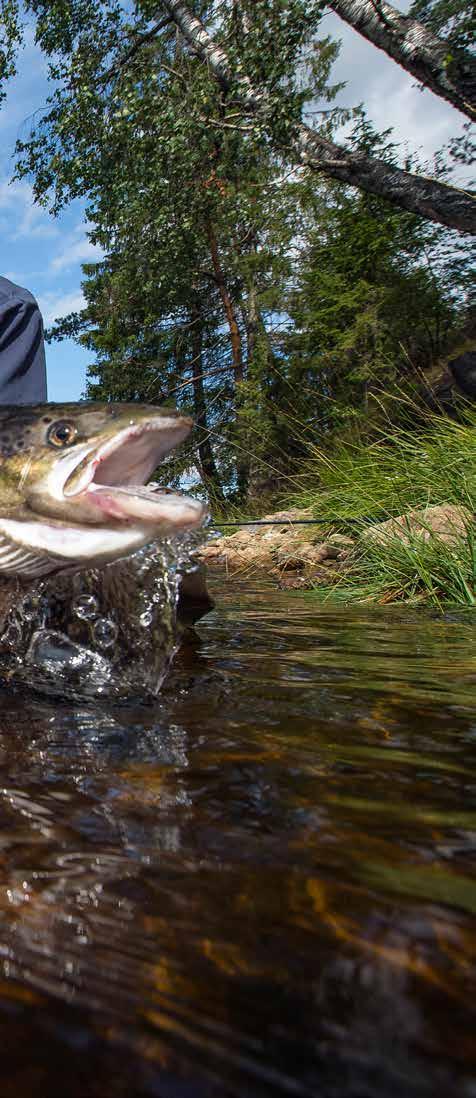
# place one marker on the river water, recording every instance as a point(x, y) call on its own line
point(263, 884)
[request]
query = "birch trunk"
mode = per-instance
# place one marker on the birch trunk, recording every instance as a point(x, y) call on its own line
point(416, 48)
point(429, 198)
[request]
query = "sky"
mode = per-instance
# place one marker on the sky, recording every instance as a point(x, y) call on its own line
point(45, 254)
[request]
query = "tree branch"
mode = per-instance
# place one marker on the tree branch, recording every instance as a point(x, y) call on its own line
point(429, 198)
point(139, 41)
point(416, 48)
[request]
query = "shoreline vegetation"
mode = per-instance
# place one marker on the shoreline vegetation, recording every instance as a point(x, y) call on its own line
point(306, 297)
point(395, 520)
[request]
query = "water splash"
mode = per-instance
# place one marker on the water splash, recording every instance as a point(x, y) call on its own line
point(85, 607)
point(99, 633)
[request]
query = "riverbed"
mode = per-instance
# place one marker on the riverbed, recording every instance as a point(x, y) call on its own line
point(262, 884)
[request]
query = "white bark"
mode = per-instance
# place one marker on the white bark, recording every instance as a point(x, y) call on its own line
point(427, 197)
point(416, 48)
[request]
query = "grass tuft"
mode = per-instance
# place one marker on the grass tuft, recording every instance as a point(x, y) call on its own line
point(412, 571)
point(401, 471)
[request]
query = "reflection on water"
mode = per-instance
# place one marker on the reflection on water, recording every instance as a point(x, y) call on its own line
point(262, 884)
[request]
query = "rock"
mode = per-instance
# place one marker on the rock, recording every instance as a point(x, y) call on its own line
point(268, 545)
point(293, 559)
point(317, 575)
point(446, 521)
point(340, 540)
point(288, 516)
point(295, 583)
point(463, 369)
point(211, 552)
point(282, 548)
point(330, 552)
point(290, 563)
point(321, 574)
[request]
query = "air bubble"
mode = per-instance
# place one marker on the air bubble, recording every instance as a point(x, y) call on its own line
point(146, 618)
point(11, 637)
point(105, 632)
point(86, 607)
point(32, 607)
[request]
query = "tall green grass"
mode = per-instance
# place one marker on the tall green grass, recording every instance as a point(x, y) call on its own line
point(401, 470)
point(411, 571)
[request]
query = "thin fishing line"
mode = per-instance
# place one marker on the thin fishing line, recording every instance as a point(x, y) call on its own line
point(294, 522)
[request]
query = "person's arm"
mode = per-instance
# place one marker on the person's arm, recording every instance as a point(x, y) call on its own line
point(22, 351)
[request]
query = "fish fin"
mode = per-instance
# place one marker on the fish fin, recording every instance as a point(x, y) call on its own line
point(34, 548)
point(18, 560)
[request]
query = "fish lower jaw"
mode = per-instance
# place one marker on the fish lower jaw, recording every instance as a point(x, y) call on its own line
point(34, 549)
point(37, 549)
point(146, 505)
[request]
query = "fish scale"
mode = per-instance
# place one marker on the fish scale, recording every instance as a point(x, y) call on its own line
point(70, 531)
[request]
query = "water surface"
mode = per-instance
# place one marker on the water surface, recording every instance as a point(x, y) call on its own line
point(264, 884)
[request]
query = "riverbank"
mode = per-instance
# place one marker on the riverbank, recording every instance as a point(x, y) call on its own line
point(392, 521)
point(424, 554)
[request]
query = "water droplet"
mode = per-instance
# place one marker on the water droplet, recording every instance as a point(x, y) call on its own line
point(105, 632)
point(32, 607)
point(86, 607)
point(11, 637)
point(55, 655)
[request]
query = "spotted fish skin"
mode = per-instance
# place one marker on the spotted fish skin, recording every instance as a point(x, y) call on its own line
point(79, 526)
point(73, 485)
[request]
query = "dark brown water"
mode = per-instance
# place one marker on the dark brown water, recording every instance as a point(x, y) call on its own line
point(263, 885)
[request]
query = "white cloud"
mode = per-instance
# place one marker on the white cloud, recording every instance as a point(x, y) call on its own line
point(421, 121)
point(20, 216)
point(76, 251)
point(55, 305)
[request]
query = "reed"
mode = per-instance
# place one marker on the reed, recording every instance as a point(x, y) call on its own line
point(399, 471)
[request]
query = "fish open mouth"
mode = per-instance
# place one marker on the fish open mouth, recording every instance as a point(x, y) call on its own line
point(113, 478)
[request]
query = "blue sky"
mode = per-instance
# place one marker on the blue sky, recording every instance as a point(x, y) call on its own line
point(45, 254)
point(36, 250)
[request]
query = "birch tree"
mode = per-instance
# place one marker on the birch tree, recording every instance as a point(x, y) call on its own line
point(449, 73)
point(262, 96)
point(184, 145)
point(430, 198)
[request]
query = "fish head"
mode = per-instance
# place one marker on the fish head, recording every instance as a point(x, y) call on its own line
point(73, 484)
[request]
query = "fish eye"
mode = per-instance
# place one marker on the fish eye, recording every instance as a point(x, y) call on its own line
point(61, 434)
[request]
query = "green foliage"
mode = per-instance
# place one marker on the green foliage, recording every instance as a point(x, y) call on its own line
point(414, 570)
point(400, 472)
point(270, 306)
point(11, 34)
point(403, 469)
point(374, 305)
point(452, 18)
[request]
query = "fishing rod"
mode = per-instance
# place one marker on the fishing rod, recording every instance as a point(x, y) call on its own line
point(300, 522)
point(290, 522)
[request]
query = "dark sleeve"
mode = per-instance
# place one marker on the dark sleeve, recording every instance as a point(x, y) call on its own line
point(22, 352)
